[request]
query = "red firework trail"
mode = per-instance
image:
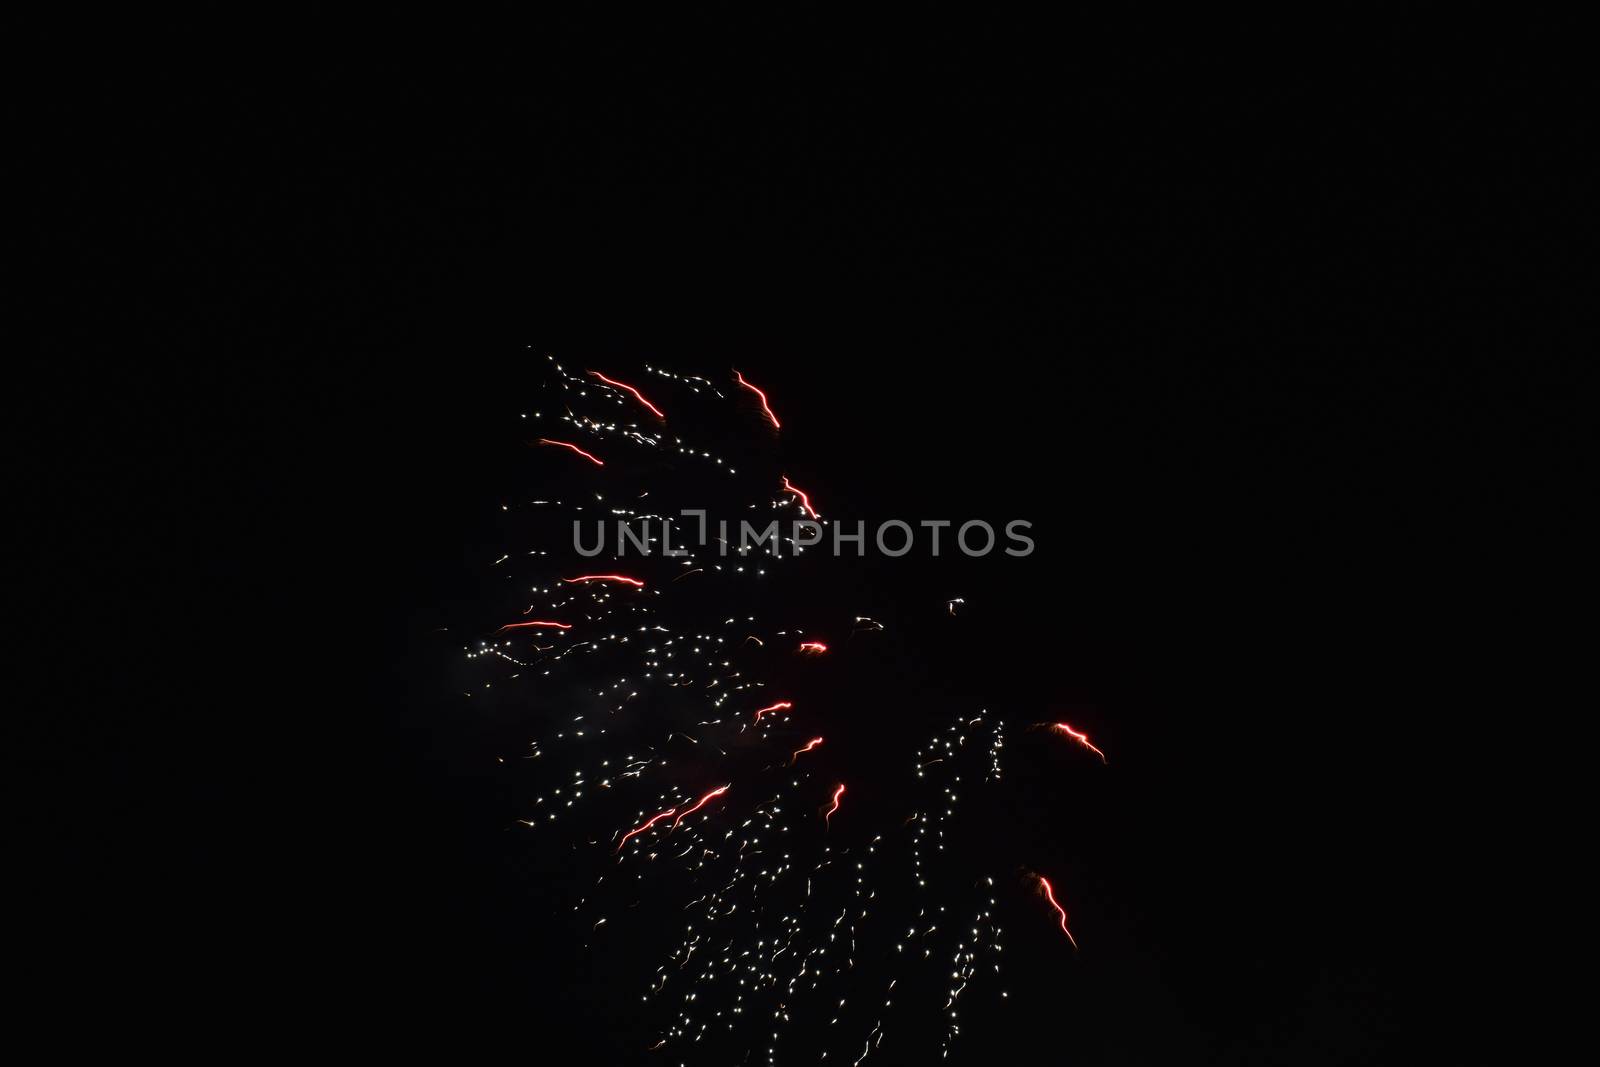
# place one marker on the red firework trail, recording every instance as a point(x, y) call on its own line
point(816, 648)
point(700, 804)
point(1050, 893)
point(782, 705)
point(575, 448)
point(1080, 737)
point(805, 501)
point(837, 793)
point(636, 583)
point(645, 826)
point(740, 378)
point(539, 623)
point(813, 743)
point(636, 394)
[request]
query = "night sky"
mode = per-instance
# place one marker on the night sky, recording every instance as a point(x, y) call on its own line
point(1192, 334)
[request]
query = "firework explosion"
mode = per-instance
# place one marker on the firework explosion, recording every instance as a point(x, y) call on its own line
point(816, 912)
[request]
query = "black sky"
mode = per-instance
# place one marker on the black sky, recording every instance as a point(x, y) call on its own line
point(1234, 340)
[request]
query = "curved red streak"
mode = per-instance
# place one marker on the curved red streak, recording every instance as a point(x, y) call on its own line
point(1050, 892)
point(814, 647)
point(641, 829)
point(575, 448)
point(813, 743)
point(837, 793)
point(636, 583)
point(636, 394)
point(740, 378)
point(805, 501)
point(701, 803)
point(1081, 738)
point(782, 705)
point(547, 625)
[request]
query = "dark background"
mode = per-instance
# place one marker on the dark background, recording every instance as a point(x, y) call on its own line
point(1241, 341)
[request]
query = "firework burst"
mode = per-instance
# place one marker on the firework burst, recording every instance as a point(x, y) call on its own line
point(666, 741)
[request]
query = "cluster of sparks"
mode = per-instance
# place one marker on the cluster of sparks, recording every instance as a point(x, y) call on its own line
point(787, 902)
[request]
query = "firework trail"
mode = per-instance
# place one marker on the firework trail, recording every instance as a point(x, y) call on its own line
point(636, 583)
point(1050, 895)
point(642, 827)
point(1078, 736)
point(630, 389)
point(782, 705)
point(788, 936)
point(761, 396)
point(569, 445)
point(809, 745)
point(805, 501)
point(702, 802)
point(837, 794)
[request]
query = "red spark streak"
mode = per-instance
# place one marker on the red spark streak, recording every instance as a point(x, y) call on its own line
point(740, 378)
point(525, 625)
point(813, 743)
point(837, 793)
point(805, 501)
point(641, 829)
point(814, 647)
point(1081, 738)
point(701, 803)
point(636, 583)
point(782, 705)
point(575, 448)
point(636, 394)
point(1049, 892)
